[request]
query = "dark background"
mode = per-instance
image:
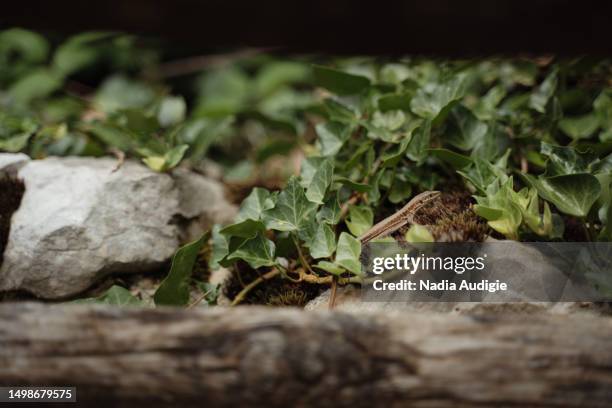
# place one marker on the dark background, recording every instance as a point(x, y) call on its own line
point(442, 27)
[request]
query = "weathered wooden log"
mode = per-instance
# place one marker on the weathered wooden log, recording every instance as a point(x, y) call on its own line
point(283, 357)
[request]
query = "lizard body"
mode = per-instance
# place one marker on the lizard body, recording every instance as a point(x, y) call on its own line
point(399, 218)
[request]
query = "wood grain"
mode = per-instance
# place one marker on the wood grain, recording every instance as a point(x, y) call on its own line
point(251, 356)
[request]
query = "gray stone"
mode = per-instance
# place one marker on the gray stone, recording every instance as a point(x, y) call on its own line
point(521, 300)
point(348, 300)
point(80, 221)
point(10, 163)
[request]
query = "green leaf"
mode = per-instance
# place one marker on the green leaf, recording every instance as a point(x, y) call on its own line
point(360, 219)
point(323, 243)
point(168, 161)
point(339, 82)
point(222, 92)
point(465, 130)
point(292, 209)
point(458, 161)
point(246, 228)
point(220, 248)
point(433, 103)
point(500, 209)
point(37, 84)
point(419, 143)
point(174, 289)
point(330, 211)
point(572, 194)
point(79, 52)
point(485, 109)
point(348, 252)
point(400, 191)
point(171, 111)
point(275, 75)
point(564, 160)
point(603, 109)
point(15, 132)
point(390, 120)
point(330, 267)
point(116, 296)
point(119, 92)
point(541, 224)
point(395, 101)
point(112, 135)
point(353, 185)
point(332, 136)
point(481, 174)
point(257, 252)
point(542, 94)
point(580, 127)
point(321, 180)
point(419, 233)
point(29, 46)
point(255, 204)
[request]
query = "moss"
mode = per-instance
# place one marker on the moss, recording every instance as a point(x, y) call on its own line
point(451, 219)
point(11, 192)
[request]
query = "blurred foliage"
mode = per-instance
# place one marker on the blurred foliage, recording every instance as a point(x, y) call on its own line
point(99, 93)
point(530, 138)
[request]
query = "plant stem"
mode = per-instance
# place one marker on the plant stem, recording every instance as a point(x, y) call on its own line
point(332, 296)
point(303, 261)
point(240, 296)
point(199, 299)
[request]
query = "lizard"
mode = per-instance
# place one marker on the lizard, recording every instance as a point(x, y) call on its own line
point(399, 218)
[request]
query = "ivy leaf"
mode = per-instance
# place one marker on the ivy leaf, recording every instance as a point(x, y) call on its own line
point(174, 289)
point(353, 185)
point(323, 243)
point(246, 228)
point(390, 120)
point(321, 180)
point(419, 233)
point(419, 143)
point(360, 219)
point(482, 173)
point(572, 194)
point(79, 52)
point(39, 83)
point(254, 205)
point(400, 191)
point(15, 132)
point(330, 267)
point(220, 247)
point(330, 211)
point(485, 109)
point(332, 136)
point(465, 130)
point(168, 161)
point(171, 111)
point(348, 252)
point(339, 82)
point(257, 252)
point(433, 103)
point(603, 109)
point(456, 160)
point(115, 295)
point(540, 97)
point(564, 160)
point(500, 209)
point(292, 209)
point(395, 101)
point(580, 127)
